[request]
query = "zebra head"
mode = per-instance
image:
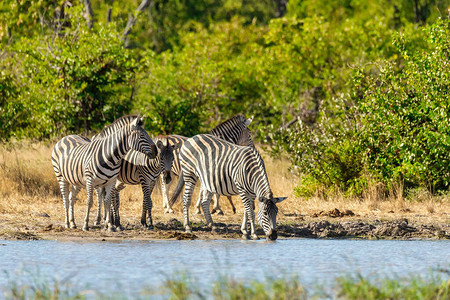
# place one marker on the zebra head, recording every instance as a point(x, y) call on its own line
point(139, 140)
point(267, 216)
point(235, 130)
point(166, 156)
point(245, 138)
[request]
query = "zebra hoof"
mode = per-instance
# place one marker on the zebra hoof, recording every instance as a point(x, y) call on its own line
point(245, 237)
point(188, 230)
point(97, 223)
point(119, 228)
point(150, 227)
point(220, 213)
point(110, 228)
point(73, 226)
point(255, 237)
point(85, 228)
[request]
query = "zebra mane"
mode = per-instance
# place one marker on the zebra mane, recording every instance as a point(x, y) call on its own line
point(237, 118)
point(118, 123)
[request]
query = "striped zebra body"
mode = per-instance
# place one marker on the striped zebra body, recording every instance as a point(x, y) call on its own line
point(138, 169)
point(79, 163)
point(227, 169)
point(234, 130)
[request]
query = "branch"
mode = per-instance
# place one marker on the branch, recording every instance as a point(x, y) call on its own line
point(290, 123)
point(89, 14)
point(132, 19)
point(108, 16)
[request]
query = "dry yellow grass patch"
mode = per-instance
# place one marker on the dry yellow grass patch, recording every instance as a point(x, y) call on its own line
point(28, 188)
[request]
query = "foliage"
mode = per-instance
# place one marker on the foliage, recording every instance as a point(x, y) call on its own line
point(335, 66)
point(392, 128)
point(69, 81)
point(283, 288)
point(411, 288)
point(25, 17)
point(286, 287)
point(404, 116)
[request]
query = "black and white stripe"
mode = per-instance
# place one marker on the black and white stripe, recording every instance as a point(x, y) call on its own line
point(79, 163)
point(227, 169)
point(138, 169)
point(234, 130)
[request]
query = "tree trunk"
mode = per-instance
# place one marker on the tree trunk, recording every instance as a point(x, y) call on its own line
point(88, 14)
point(108, 16)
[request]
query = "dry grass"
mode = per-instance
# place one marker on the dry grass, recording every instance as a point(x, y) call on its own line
point(28, 188)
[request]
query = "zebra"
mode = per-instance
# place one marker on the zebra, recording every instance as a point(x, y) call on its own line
point(234, 130)
point(79, 162)
point(176, 169)
point(135, 169)
point(227, 169)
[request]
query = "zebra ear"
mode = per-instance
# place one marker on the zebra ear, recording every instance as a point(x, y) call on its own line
point(248, 121)
point(177, 146)
point(138, 121)
point(278, 199)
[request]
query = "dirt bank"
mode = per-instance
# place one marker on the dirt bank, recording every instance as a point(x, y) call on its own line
point(331, 224)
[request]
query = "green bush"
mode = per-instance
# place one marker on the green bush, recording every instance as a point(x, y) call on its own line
point(70, 81)
point(404, 116)
point(393, 128)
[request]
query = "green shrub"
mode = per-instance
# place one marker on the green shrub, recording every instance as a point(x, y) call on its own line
point(69, 81)
point(404, 116)
point(410, 288)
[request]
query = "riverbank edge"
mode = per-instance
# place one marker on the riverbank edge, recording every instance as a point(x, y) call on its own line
point(395, 229)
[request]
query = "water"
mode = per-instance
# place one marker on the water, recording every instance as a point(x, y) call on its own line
point(130, 266)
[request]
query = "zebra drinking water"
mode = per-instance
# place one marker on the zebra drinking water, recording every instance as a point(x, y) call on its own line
point(79, 162)
point(234, 130)
point(227, 169)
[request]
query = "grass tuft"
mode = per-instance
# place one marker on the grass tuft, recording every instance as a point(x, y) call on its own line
point(409, 288)
point(184, 286)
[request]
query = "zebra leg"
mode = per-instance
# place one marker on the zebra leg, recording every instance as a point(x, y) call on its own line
point(231, 203)
point(89, 191)
point(188, 191)
point(165, 194)
point(205, 207)
point(249, 209)
point(100, 195)
point(110, 190)
point(115, 204)
point(201, 193)
point(72, 199)
point(244, 227)
point(147, 205)
point(64, 186)
point(251, 216)
point(216, 207)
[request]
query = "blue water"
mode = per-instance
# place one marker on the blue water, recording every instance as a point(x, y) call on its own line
point(131, 266)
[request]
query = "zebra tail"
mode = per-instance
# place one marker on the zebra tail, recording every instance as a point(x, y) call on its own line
point(177, 191)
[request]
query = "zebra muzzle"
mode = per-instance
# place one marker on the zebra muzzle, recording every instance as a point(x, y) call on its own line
point(167, 177)
point(272, 236)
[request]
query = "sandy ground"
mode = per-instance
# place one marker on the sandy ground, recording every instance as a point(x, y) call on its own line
point(333, 223)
